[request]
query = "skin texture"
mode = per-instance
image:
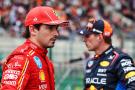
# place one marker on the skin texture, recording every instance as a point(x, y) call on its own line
point(91, 42)
point(45, 37)
point(96, 43)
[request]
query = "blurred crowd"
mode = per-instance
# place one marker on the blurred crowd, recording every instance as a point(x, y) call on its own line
point(120, 13)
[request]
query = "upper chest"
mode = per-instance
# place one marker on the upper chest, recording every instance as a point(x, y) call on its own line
point(101, 66)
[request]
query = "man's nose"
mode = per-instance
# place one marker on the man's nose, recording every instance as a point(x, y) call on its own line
point(56, 32)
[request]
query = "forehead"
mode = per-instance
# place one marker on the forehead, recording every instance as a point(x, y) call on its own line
point(89, 35)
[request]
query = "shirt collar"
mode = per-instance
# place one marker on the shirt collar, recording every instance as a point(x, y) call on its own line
point(107, 51)
point(35, 47)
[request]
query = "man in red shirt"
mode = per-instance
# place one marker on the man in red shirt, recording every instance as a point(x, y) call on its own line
point(28, 67)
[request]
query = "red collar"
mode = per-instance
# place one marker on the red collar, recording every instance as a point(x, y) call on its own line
point(35, 47)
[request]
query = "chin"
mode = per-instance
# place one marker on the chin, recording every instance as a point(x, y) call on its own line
point(50, 46)
point(90, 49)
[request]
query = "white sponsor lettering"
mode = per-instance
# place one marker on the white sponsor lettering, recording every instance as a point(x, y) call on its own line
point(131, 79)
point(126, 62)
point(12, 72)
point(95, 80)
point(127, 69)
point(17, 64)
point(10, 82)
point(10, 76)
point(88, 80)
point(108, 51)
point(102, 70)
point(88, 71)
point(99, 74)
point(43, 87)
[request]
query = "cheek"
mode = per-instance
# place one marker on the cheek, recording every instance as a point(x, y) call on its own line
point(43, 37)
point(91, 42)
point(44, 34)
point(88, 42)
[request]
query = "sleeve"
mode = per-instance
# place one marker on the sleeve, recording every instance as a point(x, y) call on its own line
point(126, 72)
point(15, 73)
point(52, 79)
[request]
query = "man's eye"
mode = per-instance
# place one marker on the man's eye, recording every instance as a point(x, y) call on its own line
point(86, 36)
point(52, 26)
point(49, 27)
point(57, 27)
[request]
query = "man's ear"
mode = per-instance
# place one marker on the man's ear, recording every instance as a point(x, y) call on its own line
point(32, 30)
point(100, 36)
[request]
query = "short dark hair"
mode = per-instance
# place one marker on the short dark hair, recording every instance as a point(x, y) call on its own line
point(26, 33)
point(108, 40)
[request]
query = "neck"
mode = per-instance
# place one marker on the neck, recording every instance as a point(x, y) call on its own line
point(36, 42)
point(101, 49)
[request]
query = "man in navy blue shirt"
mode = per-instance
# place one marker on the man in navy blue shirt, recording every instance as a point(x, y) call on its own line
point(110, 68)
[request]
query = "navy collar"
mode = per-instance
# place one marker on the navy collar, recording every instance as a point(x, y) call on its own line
point(107, 51)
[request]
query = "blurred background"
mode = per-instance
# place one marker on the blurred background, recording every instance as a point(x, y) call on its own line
point(69, 54)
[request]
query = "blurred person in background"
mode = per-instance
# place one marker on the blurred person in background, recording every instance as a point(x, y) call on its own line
point(28, 67)
point(86, 56)
point(110, 68)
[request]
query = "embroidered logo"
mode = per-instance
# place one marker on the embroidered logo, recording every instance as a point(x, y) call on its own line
point(38, 62)
point(41, 75)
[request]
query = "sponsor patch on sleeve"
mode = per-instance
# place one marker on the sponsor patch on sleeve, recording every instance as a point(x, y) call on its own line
point(126, 62)
point(38, 61)
point(10, 77)
point(130, 74)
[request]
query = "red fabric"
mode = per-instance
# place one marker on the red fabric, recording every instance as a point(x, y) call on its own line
point(44, 15)
point(28, 68)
